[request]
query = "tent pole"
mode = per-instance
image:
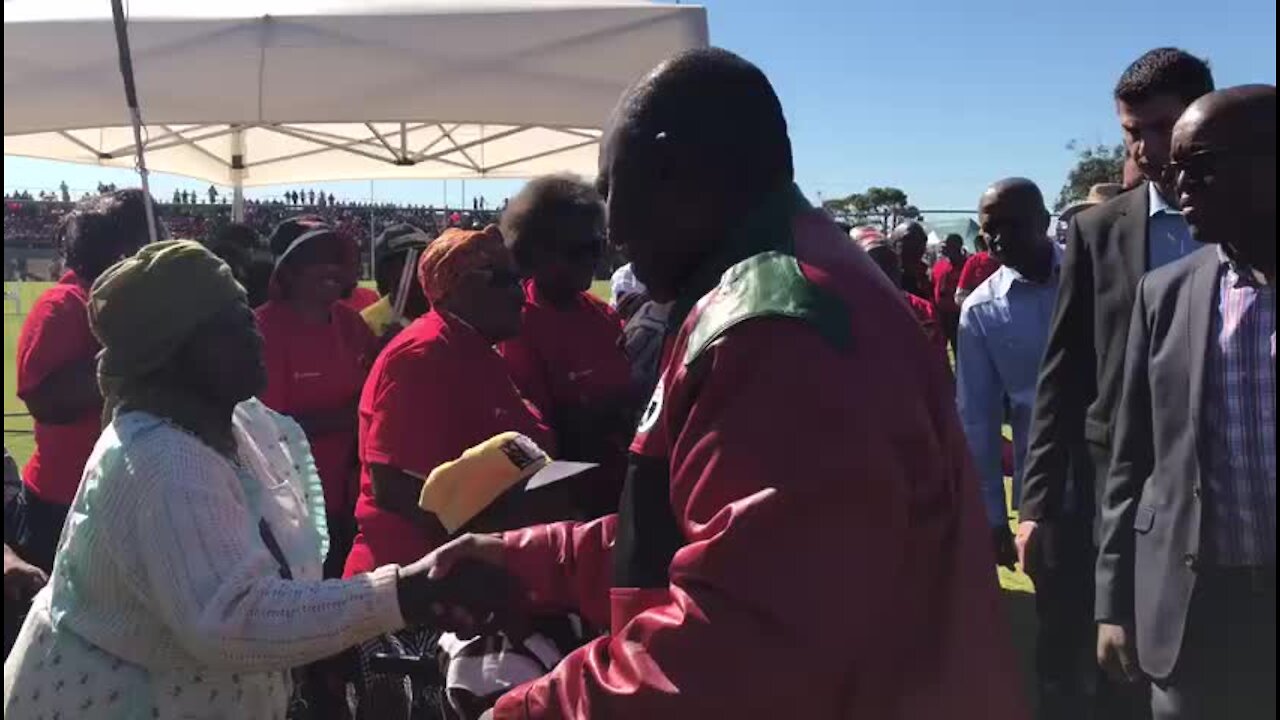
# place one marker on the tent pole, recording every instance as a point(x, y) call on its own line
point(237, 174)
point(135, 115)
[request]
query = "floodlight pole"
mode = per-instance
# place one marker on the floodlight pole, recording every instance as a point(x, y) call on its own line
point(135, 115)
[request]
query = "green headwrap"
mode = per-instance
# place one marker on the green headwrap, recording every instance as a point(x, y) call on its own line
point(144, 307)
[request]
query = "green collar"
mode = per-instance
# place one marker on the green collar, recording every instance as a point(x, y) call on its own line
point(765, 228)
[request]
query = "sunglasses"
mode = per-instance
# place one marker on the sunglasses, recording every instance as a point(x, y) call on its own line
point(1203, 166)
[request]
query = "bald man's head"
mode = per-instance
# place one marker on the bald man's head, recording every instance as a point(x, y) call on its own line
point(1224, 166)
point(910, 240)
point(1012, 216)
point(692, 147)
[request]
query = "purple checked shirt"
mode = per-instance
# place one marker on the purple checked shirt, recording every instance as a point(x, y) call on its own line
point(1240, 425)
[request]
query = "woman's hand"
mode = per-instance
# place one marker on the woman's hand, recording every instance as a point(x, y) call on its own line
point(22, 580)
point(463, 587)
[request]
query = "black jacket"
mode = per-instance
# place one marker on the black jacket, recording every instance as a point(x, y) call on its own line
point(1080, 376)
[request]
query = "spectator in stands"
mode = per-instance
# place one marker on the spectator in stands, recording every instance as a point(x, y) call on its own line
point(1003, 327)
point(979, 267)
point(64, 191)
point(911, 241)
point(317, 353)
point(436, 390)
point(946, 278)
point(331, 200)
point(56, 363)
point(190, 584)
point(884, 254)
point(568, 359)
point(311, 196)
point(396, 253)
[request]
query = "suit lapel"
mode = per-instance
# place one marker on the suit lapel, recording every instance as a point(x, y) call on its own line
point(1133, 236)
point(1202, 297)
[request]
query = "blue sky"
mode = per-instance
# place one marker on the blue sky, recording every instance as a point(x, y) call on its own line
point(938, 97)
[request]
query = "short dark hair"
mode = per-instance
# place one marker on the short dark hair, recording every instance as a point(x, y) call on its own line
point(722, 109)
point(1165, 71)
point(532, 218)
point(91, 235)
point(237, 235)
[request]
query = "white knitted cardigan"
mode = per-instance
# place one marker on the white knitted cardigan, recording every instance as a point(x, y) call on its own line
point(162, 565)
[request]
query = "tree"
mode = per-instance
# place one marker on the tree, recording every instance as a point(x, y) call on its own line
point(883, 206)
point(1094, 165)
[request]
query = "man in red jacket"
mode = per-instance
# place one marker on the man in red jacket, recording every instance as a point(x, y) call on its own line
point(800, 534)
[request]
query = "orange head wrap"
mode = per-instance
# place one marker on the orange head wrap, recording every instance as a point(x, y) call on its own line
point(456, 253)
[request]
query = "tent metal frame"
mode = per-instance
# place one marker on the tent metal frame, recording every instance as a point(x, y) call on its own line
point(391, 147)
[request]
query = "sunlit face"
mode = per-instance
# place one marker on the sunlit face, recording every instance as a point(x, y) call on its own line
point(1148, 128)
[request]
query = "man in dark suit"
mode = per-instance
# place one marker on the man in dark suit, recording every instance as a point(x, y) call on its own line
point(1186, 568)
point(1109, 247)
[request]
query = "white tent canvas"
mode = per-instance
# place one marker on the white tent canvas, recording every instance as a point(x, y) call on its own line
point(256, 93)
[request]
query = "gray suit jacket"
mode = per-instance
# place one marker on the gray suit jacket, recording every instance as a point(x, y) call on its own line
point(1150, 507)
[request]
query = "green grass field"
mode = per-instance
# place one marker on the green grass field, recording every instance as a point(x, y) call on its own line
point(1017, 586)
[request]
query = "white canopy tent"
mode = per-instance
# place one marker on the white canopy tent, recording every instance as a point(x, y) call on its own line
point(244, 93)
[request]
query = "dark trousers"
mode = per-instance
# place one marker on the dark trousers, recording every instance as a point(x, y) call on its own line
point(42, 529)
point(1070, 685)
point(1227, 664)
point(950, 327)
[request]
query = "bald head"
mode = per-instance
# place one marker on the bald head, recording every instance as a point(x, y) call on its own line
point(1016, 192)
point(1012, 216)
point(691, 148)
point(1224, 167)
point(712, 104)
point(1237, 117)
point(910, 240)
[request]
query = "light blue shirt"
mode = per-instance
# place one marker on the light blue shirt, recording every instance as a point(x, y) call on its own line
point(1004, 326)
point(1168, 237)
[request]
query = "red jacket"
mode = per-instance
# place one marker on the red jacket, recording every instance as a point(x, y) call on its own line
point(819, 549)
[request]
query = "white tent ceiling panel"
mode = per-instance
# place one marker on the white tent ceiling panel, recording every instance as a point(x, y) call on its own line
point(342, 90)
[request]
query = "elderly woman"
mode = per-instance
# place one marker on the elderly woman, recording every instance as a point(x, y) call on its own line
point(188, 577)
point(318, 352)
point(437, 389)
point(569, 359)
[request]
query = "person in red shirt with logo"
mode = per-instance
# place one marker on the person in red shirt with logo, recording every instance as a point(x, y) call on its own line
point(568, 359)
point(318, 352)
point(873, 242)
point(57, 364)
point(801, 448)
point(437, 389)
point(946, 278)
point(981, 265)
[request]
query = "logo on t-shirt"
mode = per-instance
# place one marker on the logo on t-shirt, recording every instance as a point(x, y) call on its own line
point(576, 375)
point(651, 411)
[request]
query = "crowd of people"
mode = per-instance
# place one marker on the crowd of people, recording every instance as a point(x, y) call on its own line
point(766, 479)
point(32, 223)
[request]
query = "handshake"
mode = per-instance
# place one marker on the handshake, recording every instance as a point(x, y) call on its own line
point(463, 587)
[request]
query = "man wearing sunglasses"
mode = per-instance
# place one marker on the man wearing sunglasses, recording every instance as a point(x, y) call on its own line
point(1108, 249)
point(1187, 567)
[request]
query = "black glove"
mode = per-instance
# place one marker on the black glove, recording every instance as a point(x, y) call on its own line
point(1002, 542)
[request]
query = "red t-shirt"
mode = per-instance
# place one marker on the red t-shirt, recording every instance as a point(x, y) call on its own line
point(318, 367)
point(361, 298)
point(436, 390)
point(54, 335)
point(981, 266)
point(568, 359)
point(928, 317)
point(946, 278)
